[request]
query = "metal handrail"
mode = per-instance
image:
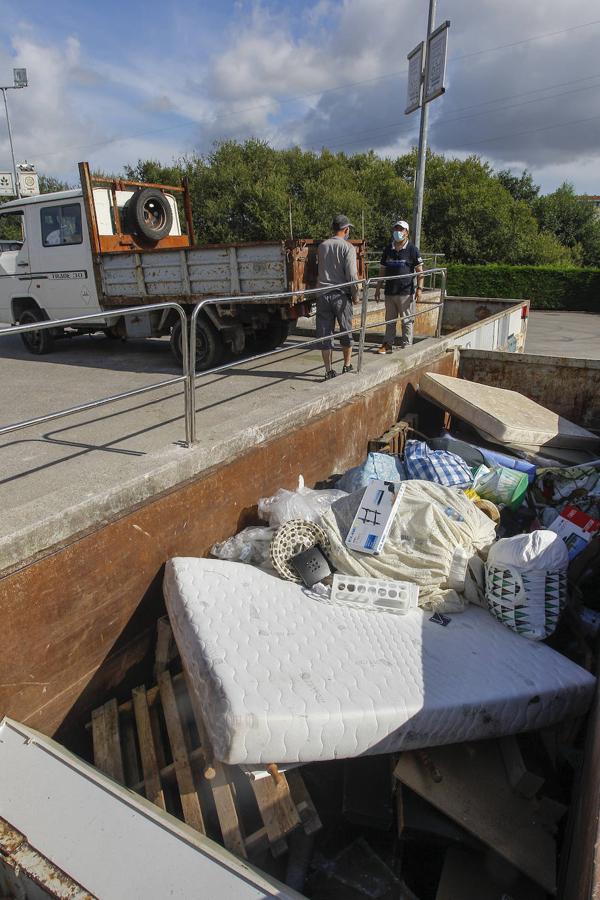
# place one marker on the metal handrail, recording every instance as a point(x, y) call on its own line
point(364, 284)
point(82, 407)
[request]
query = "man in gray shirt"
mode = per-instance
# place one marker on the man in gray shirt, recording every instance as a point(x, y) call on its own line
point(337, 265)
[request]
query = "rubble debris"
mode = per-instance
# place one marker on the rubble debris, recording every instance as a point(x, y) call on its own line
point(476, 792)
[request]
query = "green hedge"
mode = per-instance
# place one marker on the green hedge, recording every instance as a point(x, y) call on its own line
point(547, 287)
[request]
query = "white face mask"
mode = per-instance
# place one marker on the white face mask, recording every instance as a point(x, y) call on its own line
point(400, 236)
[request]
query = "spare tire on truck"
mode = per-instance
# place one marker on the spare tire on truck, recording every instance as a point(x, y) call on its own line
point(209, 346)
point(148, 213)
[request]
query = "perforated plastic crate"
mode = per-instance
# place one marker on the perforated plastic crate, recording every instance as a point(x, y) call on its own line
point(375, 594)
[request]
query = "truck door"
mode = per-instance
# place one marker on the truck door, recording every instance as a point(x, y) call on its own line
point(61, 260)
point(15, 277)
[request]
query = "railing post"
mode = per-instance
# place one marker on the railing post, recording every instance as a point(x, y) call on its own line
point(192, 378)
point(185, 354)
point(363, 322)
point(438, 331)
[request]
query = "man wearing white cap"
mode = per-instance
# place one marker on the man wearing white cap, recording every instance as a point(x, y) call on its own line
point(399, 257)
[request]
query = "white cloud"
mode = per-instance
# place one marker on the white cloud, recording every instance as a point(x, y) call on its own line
point(334, 76)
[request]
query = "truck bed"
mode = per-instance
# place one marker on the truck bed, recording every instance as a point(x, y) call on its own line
point(191, 273)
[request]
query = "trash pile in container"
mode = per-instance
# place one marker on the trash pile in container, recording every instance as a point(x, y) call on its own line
point(414, 568)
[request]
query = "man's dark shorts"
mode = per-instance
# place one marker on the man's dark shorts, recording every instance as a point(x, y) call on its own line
point(332, 307)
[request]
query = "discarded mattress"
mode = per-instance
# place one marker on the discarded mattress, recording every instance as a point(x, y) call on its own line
point(284, 677)
point(505, 417)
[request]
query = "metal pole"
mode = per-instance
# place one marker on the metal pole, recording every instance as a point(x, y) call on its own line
point(12, 152)
point(363, 323)
point(440, 322)
point(422, 154)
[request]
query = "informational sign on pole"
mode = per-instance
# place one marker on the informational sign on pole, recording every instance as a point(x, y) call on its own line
point(7, 185)
point(435, 67)
point(29, 184)
point(415, 79)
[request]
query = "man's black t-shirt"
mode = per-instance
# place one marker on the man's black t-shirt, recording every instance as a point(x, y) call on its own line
point(400, 262)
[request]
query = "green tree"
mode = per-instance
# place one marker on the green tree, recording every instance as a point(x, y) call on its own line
point(519, 187)
point(471, 217)
point(573, 222)
point(244, 191)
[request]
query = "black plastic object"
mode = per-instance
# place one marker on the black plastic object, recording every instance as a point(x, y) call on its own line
point(311, 565)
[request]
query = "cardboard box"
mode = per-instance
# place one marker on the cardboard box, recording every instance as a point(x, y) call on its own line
point(576, 529)
point(373, 520)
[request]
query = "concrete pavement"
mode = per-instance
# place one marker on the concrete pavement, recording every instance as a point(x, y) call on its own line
point(574, 334)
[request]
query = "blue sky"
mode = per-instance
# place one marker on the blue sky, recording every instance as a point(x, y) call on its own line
point(112, 82)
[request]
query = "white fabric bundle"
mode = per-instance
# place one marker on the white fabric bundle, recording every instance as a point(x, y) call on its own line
point(526, 582)
point(433, 542)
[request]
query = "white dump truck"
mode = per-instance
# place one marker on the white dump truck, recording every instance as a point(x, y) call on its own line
point(114, 243)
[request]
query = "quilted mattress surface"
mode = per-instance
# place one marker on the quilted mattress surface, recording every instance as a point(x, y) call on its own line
point(505, 416)
point(284, 677)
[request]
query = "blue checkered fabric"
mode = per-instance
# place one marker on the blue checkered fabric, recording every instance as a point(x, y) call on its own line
point(436, 465)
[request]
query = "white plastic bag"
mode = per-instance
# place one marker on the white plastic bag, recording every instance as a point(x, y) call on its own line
point(303, 503)
point(250, 546)
point(526, 582)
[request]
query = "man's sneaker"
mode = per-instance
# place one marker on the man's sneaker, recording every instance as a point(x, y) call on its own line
point(330, 374)
point(348, 368)
point(385, 348)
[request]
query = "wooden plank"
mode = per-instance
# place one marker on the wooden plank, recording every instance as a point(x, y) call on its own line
point(209, 764)
point(276, 807)
point(130, 756)
point(158, 736)
point(107, 744)
point(153, 787)
point(190, 803)
point(303, 802)
point(164, 642)
point(221, 789)
point(475, 792)
point(226, 811)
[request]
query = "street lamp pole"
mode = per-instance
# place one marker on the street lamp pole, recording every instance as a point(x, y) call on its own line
point(422, 153)
point(20, 81)
point(12, 149)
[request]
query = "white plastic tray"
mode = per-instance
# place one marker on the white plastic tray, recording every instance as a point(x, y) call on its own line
point(375, 594)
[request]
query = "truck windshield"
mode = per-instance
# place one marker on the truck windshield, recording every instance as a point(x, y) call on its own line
point(61, 225)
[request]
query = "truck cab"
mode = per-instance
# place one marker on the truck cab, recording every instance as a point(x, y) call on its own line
point(46, 262)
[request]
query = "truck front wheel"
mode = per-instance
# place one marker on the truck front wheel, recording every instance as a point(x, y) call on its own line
point(38, 342)
point(209, 346)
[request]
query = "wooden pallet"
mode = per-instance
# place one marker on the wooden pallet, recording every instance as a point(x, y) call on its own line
point(153, 744)
point(394, 440)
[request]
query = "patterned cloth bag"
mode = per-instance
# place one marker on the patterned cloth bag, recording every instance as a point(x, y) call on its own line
point(526, 582)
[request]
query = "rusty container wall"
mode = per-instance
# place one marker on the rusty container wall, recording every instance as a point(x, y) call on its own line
point(79, 624)
point(459, 312)
point(302, 262)
point(569, 387)
point(426, 324)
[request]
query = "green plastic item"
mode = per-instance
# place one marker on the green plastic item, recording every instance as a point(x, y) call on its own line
point(501, 485)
